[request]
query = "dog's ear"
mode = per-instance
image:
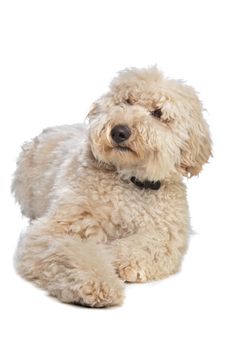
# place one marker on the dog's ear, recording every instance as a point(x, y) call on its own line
point(100, 105)
point(196, 150)
point(94, 110)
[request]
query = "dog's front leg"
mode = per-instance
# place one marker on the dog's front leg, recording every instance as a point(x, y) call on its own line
point(71, 268)
point(144, 257)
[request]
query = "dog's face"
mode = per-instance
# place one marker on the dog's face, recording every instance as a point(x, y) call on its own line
point(149, 126)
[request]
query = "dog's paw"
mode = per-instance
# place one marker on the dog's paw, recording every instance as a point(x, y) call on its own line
point(128, 267)
point(92, 293)
point(101, 294)
point(132, 272)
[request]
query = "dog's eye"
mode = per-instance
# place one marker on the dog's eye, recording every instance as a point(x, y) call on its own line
point(156, 113)
point(128, 101)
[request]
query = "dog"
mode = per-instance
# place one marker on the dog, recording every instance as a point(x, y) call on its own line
point(105, 199)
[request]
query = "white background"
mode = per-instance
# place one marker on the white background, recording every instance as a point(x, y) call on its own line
point(56, 58)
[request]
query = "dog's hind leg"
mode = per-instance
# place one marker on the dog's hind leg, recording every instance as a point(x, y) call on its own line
point(38, 165)
point(72, 269)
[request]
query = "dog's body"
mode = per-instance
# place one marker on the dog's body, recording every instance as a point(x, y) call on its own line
point(92, 226)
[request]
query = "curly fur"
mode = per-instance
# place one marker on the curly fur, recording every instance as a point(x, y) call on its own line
point(91, 227)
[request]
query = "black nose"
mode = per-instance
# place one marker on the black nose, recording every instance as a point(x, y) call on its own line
point(120, 133)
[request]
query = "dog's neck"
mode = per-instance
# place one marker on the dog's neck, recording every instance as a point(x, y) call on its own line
point(138, 178)
point(146, 184)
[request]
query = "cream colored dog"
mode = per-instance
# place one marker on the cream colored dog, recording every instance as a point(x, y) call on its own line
point(106, 202)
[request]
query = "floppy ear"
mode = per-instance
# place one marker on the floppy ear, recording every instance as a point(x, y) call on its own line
point(197, 149)
point(93, 111)
point(104, 102)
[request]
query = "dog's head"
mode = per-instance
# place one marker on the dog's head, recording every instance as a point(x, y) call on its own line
point(149, 126)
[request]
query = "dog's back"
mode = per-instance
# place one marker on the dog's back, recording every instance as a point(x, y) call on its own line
point(38, 165)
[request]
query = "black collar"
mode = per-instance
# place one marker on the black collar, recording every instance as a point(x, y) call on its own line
point(153, 185)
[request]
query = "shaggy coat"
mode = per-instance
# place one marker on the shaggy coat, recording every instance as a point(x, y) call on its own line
point(91, 227)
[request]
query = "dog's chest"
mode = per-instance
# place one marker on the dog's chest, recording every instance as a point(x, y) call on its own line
point(126, 209)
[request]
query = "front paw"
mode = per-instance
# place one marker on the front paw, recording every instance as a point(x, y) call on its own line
point(131, 272)
point(101, 294)
point(93, 293)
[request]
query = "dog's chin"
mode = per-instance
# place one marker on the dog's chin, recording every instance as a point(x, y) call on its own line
point(117, 156)
point(123, 156)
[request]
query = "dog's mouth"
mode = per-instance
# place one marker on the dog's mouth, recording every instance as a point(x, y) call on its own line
point(123, 149)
